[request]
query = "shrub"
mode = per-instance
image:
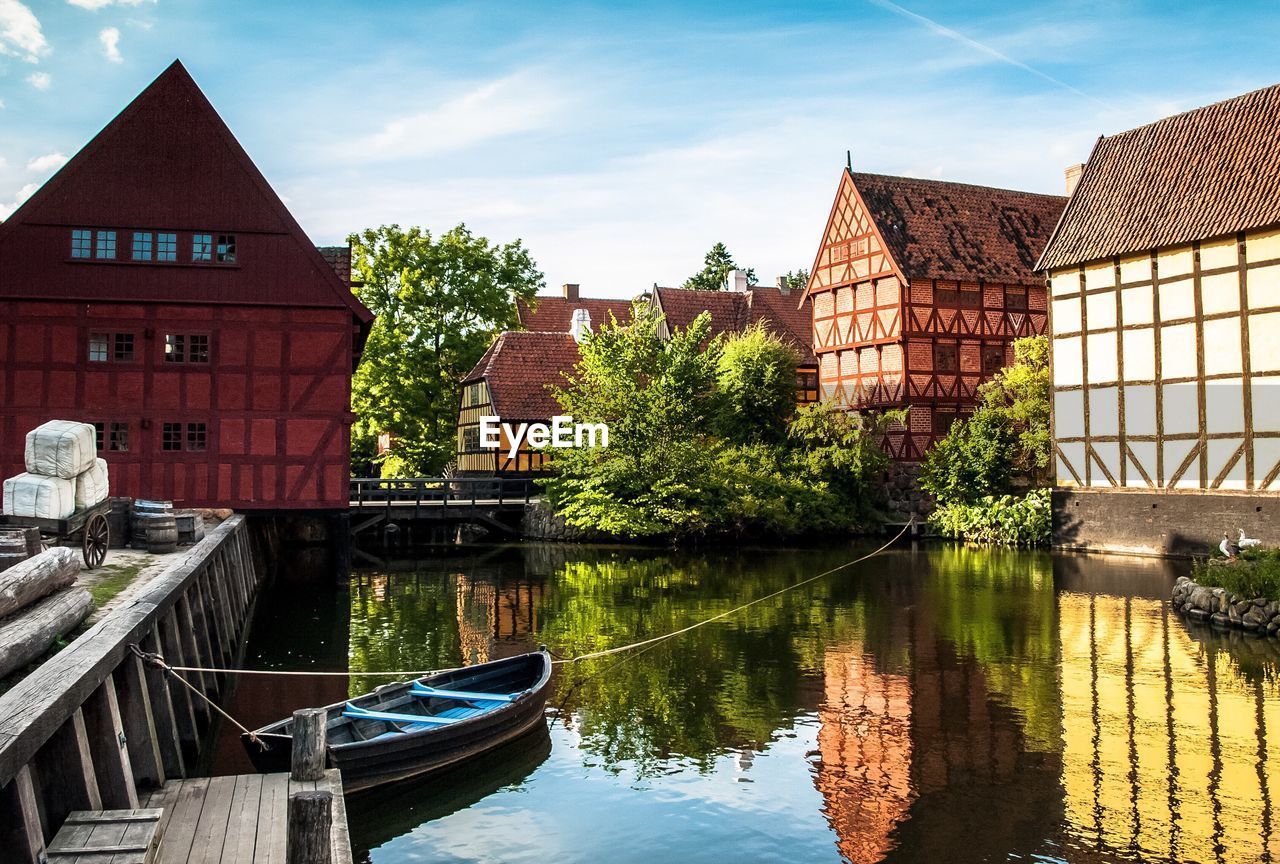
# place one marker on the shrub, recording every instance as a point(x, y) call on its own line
point(1255, 574)
point(1004, 520)
point(756, 378)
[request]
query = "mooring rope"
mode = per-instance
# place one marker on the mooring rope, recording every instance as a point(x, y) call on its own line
point(159, 662)
point(621, 648)
point(156, 661)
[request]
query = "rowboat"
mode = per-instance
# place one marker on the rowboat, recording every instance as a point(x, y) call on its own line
point(413, 728)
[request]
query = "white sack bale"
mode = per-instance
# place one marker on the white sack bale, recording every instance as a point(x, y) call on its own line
point(91, 486)
point(61, 448)
point(38, 497)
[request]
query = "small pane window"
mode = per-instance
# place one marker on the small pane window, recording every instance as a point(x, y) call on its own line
point(181, 348)
point(992, 360)
point(119, 438)
point(166, 247)
point(81, 243)
point(98, 431)
point(944, 358)
point(201, 247)
point(226, 248)
point(198, 349)
point(175, 348)
point(1015, 298)
point(106, 245)
point(470, 439)
point(142, 242)
point(171, 436)
point(943, 421)
point(99, 347)
point(196, 436)
point(123, 349)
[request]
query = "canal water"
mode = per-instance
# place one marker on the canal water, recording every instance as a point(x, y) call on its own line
point(933, 704)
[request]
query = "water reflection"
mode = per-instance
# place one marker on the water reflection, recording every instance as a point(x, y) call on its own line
point(941, 704)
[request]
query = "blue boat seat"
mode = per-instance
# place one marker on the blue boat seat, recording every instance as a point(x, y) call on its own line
point(462, 695)
point(416, 719)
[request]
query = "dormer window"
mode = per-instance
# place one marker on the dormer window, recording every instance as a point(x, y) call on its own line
point(142, 245)
point(105, 245)
point(81, 243)
point(226, 248)
point(201, 247)
point(166, 247)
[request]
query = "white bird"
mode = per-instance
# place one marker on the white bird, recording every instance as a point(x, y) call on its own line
point(1248, 542)
point(1228, 546)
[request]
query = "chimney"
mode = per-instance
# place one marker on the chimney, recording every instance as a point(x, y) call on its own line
point(1073, 177)
point(581, 327)
point(570, 290)
point(736, 280)
point(784, 287)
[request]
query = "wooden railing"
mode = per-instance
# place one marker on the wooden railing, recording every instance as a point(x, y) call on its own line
point(501, 492)
point(93, 724)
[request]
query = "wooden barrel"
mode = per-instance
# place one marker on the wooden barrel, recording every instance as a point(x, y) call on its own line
point(34, 543)
point(119, 518)
point(144, 515)
point(162, 534)
point(190, 526)
point(13, 548)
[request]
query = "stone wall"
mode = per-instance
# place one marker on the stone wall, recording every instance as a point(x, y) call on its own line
point(1158, 523)
point(903, 495)
point(1221, 607)
point(541, 523)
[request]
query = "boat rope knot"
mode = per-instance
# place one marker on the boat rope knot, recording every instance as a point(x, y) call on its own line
point(157, 661)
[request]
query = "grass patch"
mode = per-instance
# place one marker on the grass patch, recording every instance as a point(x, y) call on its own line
point(121, 577)
point(1255, 574)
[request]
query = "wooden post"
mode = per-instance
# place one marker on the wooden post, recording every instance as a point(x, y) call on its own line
point(165, 710)
point(184, 706)
point(309, 744)
point(65, 773)
point(109, 748)
point(142, 732)
point(310, 828)
point(20, 831)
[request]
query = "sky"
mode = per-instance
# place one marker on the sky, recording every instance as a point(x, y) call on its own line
point(619, 141)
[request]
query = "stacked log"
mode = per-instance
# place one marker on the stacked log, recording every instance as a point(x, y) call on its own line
point(39, 603)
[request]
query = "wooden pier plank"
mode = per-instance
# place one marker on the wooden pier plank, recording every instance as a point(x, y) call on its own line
point(242, 830)
point(215, 821)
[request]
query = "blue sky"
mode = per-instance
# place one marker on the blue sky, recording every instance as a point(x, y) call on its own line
point(621, 140)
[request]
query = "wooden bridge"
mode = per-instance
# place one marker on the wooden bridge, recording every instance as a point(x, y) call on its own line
point(495, 502)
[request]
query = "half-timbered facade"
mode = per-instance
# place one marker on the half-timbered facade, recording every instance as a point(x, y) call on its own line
point(513, 381)
point(157, 287)
point(740, 306)
point(1165, 289)
point(918, 289)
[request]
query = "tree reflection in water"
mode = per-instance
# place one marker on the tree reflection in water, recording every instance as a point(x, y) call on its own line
point(959, 705)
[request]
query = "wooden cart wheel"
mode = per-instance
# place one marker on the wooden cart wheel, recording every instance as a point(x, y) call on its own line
point(97, 536)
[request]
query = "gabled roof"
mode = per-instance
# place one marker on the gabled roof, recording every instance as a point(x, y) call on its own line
point(167, 161)
point(555, 314)
point(1205, 173)
point(935, 229)
point(339, 258)
point(733, 311)
point(519, 367)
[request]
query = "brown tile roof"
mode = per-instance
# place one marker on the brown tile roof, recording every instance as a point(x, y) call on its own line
point(732, 311)
point(339, 258)
point(519, 366)
point(1202, 174)
point(941, 230)
point(555, 314)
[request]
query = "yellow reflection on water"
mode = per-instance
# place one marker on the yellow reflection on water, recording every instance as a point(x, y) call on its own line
point(1165, 741)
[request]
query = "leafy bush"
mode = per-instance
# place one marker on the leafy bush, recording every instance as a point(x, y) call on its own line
point(1255, 574)
point(1004, 520)
point(756, 378)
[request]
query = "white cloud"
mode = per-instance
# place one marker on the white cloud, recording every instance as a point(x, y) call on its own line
point(95, 5)
point(23, 194)
point(516, 103)
point(39, 80)
point(110, 39)
point(47, 162)
point(20, 33)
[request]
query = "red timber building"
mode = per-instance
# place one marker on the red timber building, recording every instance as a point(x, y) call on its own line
point(157, 287)
point(918, 289)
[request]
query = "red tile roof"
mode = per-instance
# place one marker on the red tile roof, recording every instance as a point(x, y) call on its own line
point(519, 366)
point(941, 230)
point(732, 311)
point(1206, 173)
point(339, 258)
point(555, 314)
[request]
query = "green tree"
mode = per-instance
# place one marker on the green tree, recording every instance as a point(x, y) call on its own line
point(797, 280)
point(1007, 438)
point(716, 266)
point(756, 376)
point(440, 300)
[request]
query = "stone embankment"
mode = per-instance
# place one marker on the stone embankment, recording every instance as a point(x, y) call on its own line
point(1219, 606)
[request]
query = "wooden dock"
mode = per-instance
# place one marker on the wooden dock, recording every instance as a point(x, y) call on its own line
point(238, 820)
